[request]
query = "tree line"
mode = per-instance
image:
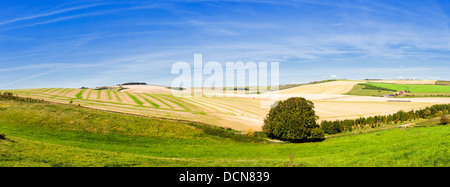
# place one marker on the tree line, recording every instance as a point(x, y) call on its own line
point(373, 87)
point(132, 83)
point(338, 126)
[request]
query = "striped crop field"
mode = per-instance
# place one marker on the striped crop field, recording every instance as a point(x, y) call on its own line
point(234, 112)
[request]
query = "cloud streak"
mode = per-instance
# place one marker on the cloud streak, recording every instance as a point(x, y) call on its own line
point(46, 14)
point(142, 39)
point(25, 79)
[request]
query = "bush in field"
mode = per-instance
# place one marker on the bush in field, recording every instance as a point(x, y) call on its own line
point(427, 114)
point(249, 132)
point(445, 120)
point(293, 120)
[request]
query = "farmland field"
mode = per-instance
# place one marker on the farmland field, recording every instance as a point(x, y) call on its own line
point(227, 112)
point(240, 113)
point(440, 89)
point(359, 89)
point(332, 110)
point(414, 87)
point(333, 87)
point(443, 83)
point(47, 134)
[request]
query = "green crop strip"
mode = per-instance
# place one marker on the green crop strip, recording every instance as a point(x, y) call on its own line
point(135, 99)
point(99, 94)
point(117, 96)
point(159, 100)
point(109, 95)
point(152, 103)
point(80, 94)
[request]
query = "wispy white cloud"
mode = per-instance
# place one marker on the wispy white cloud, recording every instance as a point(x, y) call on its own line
point(152, 5)
point(25, 79)
point(52, 66)
point(297, 33)
point(46, 14)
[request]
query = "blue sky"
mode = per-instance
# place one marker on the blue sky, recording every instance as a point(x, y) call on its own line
point(47, 43)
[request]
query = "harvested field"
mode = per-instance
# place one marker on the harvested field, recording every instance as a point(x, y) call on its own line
point(240, 112)
point(126, 98)
point(103, 96)
point(157, 102)
point(148, 101)
point(93, 94)
point(334, 87)
point(86, 94)
point(72, 93)
point(63, 91)
point(332, 110)
point(147, 89)
point(55, 90)
point(47, 90)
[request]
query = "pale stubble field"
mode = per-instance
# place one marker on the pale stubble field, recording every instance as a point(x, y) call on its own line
point(240, 112)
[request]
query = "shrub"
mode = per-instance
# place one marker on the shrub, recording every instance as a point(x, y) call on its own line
point(331, 127)
point(2, 137)
point(293, 120)
point(249, 132)
point(445, 120)
point(427, 114)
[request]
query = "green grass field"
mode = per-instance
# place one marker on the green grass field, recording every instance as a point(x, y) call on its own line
point(415, 90)
point(46, 134)
point(359, 90)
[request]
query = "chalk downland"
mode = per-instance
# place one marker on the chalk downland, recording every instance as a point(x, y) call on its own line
point(234, 112)
point(334, 87)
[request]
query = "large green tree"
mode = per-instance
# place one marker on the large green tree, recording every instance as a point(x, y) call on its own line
point(293, 120)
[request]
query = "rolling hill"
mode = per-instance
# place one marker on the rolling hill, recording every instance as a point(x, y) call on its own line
point(333, 87)
point(55, 135)
point(240, 112)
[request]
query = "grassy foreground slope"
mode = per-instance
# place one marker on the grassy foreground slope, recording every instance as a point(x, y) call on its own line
point(46, 134)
